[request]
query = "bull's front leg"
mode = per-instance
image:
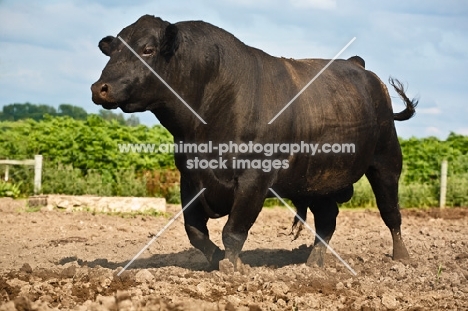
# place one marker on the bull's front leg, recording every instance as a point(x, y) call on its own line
point(197, 232)
point(195, 220)
point(247, 205)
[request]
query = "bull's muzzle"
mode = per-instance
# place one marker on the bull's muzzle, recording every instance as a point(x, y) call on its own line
point(101, 93)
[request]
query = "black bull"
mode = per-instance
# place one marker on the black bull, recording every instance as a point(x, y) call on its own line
point(238, 89)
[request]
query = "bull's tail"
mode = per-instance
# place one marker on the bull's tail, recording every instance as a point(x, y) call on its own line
point(410, 109)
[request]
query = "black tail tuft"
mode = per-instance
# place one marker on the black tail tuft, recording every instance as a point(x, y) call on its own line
point(410, 109)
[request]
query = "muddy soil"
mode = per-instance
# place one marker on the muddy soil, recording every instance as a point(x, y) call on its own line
point(52, 260)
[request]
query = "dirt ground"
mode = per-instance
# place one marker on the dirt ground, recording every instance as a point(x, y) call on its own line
point(70, 260)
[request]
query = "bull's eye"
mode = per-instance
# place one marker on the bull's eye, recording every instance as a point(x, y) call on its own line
point(148, 51)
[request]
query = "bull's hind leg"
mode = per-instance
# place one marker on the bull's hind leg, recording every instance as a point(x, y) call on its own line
point(383, 177)
point(325, 211)
point(301, 215)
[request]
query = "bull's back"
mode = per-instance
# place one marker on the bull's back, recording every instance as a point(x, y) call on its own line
point(338, 115)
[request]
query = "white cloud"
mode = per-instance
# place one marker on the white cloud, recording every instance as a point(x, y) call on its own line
point(463, 131)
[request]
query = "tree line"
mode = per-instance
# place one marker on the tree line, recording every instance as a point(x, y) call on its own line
point(37, 112)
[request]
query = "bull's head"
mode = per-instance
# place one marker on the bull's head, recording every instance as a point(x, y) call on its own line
point(125, 82)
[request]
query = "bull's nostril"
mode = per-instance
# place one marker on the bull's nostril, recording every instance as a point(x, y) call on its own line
point(101, 93)
point(104, 89)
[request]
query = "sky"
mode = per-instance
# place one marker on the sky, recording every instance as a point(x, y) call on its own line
point(49, 53)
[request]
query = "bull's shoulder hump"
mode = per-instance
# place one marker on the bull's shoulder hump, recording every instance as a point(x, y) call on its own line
point(358, 60)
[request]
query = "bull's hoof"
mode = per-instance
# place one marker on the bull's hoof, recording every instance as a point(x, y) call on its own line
point(400, 253)
point(316, 257)
point(296, 230)
point(399, 248)
point(215, 259)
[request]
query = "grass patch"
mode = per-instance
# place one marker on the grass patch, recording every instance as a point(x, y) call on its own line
point(126, 215)
point(273, 202)
point(32, 209)
point(133, 215)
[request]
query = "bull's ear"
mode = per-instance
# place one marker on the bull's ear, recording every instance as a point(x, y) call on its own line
point(170, 42)
point(105, 45)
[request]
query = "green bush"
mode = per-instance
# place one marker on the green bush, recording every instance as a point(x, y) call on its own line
point(420, 180)
point(418, 195)
point(90, 144)
point(363, 195)
point(422, 157)
point(413, 194)
point(68, 180)
point(457, 190)
point(9, 190)
point(83, 157)
point(173, 195)
point(128, 183)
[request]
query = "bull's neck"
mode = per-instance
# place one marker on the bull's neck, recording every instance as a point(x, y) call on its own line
point(209, 81)
point(178, 120)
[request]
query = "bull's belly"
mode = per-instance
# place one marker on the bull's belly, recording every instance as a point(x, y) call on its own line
point(321, 175)
point(305, 177)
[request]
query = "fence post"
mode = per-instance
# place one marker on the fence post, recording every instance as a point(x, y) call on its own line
point(37, 173)
point(443, 183)
point(6, 172)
